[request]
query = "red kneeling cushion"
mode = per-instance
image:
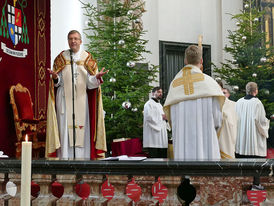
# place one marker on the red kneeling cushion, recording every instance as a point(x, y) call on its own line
point(24, 106)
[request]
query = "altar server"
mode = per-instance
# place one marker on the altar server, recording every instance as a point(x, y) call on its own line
point(252, 125)
point(155, 126)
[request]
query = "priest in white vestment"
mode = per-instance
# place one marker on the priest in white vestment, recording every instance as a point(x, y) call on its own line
point(193, 107)
point(228, 131)
point(155, 126)
point(252, 125)
point(89, 139)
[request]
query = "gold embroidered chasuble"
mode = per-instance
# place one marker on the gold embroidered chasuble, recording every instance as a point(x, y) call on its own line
point(227, 133)
point(85, 65)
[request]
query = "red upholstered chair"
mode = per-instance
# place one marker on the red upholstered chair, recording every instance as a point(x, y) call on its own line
point(24, 121)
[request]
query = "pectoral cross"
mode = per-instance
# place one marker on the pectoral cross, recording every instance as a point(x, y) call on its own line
point(187, 80)
point(76, 74)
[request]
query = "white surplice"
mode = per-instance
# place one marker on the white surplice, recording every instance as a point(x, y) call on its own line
point(252, 127)
point(154, 127)
point(66, 151)
point(194, 129)
point(228, 132)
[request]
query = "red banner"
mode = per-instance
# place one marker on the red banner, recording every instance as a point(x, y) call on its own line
point(24, 57)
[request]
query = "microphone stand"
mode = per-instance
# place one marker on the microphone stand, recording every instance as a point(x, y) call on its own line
point(73, 113)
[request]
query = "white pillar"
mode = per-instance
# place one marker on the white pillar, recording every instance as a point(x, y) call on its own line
point(65, 16)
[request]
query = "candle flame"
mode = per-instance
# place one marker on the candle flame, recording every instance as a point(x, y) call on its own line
point(27, 138)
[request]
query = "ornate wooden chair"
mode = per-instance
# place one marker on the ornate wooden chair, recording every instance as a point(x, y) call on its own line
point(25, 123)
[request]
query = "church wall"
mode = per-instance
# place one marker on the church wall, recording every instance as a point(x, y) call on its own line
point(151, 25)
point(229, 7)
point(176, 20)
point(183, 21)
point(65, 17)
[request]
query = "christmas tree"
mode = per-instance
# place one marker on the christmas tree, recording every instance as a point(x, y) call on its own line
point(252, 58)
point(114, 31)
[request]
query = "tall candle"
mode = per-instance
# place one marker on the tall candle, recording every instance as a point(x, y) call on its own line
point(26, 172)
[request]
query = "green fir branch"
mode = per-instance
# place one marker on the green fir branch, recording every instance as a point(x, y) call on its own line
point(247, 63)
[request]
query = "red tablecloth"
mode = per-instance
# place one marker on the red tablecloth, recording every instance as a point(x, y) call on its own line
point(132, 147)
point(270, 153)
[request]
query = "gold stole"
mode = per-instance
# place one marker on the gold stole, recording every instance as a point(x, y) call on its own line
point(80, 96)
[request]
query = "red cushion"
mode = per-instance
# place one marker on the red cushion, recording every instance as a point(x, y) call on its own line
point(23, 103)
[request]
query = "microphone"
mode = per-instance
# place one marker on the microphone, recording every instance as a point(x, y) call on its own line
point(71, 58)
point(73, 112)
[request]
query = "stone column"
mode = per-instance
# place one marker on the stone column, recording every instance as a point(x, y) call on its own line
point(16, 179)
point(221, 190)
point(146, 182)
point(69, 197)
point(95, 197)
point(45, 197)
point(120, 198)
point(268, 182)
point(171, 183)
point(2, 189)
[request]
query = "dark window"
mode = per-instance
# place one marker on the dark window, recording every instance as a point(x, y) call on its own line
point(172, 60)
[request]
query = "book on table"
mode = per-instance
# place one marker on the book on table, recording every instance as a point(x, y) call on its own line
point(124, 158)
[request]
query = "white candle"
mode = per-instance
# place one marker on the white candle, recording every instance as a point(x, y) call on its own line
point(25, 172)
